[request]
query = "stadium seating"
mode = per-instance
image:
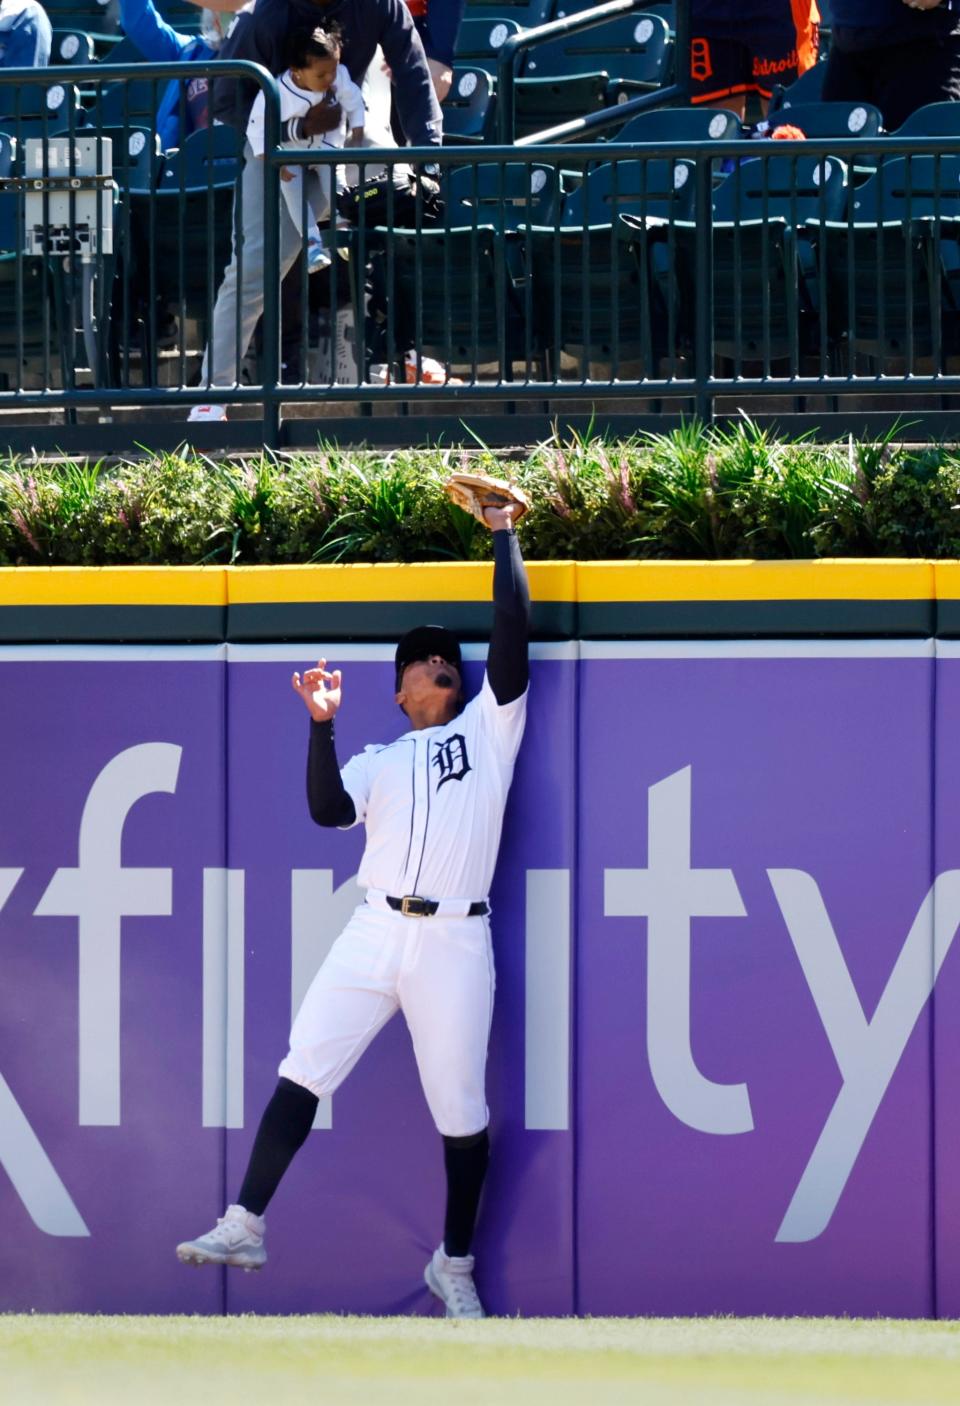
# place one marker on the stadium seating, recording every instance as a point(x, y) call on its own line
point(33, 110)
point(181, 235)
point(452, 298)
point(509, 197)
point(894, 263)
point(807, 89)
point(72, 46)
point(468, 107)
point(680, 124)
point(526, 13)
point(96, 17)
point(766, 297)
point(594, 291)
point(933, 120)
point(820, 119)
point(584, 72)
point(479, 42)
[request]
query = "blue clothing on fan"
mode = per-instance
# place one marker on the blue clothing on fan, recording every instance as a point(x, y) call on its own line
point(159, 42)
point(879, 14)
point(439, 27)
point(25, 35)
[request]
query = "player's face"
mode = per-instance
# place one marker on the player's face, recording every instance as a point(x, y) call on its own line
point(432, 684)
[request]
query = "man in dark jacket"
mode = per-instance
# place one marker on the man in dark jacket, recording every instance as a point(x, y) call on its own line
point(897, 54)
point(260, 34)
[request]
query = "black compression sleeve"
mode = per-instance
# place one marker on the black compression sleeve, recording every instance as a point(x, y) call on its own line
point(507, 667)
point(329, 801)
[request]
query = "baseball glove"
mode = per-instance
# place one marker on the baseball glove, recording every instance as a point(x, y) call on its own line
point(474, 492)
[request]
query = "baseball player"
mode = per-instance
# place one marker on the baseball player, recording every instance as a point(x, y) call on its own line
point(432, 802)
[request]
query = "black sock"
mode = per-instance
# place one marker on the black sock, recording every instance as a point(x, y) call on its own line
point(286, 1121)
point(466, 1161)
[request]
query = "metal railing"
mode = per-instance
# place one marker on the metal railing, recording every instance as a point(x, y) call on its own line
point(643, 278)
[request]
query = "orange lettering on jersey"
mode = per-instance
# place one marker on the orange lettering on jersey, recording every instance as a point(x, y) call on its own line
point(701, 67)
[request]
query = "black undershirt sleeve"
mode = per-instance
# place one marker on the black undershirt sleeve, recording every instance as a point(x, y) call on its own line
point(507, 667)
point(329, 801)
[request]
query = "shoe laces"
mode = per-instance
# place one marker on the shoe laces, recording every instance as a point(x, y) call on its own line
point(228, 1230)
point(462, 1290)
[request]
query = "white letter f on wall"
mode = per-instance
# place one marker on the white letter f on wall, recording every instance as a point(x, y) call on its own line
point(98, 893)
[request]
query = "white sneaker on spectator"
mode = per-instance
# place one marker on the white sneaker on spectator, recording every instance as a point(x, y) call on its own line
point(236, 1239)
point(450, 1277)
point(207, 412)
point(317, 256)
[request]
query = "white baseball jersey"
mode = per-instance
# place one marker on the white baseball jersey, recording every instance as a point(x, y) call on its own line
point(433, 801)
point(297, 102)
point(433, 804)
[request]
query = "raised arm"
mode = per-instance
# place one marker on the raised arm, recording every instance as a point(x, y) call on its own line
point(507, 658)
point(328, 799)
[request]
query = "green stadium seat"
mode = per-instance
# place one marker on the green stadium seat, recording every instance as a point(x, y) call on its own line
point(35, 109)
point(680, 124)
point(480, 40)
point(468, 107)
point(72, 46)
point(818, 120)
point(932, 120)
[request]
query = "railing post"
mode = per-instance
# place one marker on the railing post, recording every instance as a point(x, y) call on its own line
point(703, 323)
point(271, 267)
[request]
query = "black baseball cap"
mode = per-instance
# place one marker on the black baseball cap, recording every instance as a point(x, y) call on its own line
point(421, 643)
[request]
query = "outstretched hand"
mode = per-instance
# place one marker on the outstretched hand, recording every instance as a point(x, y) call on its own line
point(320, 691)
point(497, 518)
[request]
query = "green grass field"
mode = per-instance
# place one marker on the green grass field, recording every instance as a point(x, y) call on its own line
point(533, 1362)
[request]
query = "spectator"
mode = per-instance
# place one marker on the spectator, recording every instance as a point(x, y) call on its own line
point(259, 35)
point(159, 42)
point(315, 68)
point(25, 35)
point(897, 54)
point(738, 47)
point(438, 23)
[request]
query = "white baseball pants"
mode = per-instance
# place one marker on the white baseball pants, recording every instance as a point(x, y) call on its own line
point(439, 972)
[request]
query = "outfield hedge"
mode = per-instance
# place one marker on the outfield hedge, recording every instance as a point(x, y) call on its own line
point(694, 493)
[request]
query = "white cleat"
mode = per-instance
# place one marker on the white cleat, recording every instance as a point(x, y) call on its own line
point(201, 413)
point(236, 1239)
point(450, 1277)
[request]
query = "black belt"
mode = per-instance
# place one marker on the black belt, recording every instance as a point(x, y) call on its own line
point(414, 907)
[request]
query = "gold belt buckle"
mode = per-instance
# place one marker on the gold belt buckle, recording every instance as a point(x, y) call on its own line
point(408, 906)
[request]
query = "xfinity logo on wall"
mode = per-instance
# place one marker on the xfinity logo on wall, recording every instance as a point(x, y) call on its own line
point(664, 889)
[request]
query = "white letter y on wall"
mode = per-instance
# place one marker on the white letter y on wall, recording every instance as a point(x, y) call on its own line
point(867, 1052)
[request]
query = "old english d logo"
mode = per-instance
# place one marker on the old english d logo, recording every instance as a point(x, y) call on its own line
point(451, 759)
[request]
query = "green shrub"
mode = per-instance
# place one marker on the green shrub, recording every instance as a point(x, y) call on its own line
point(693, 493)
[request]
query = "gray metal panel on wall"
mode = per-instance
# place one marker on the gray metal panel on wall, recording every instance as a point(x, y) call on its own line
point(112, 805)
point(946, 998)
point(754, 962)
point(361, 1208)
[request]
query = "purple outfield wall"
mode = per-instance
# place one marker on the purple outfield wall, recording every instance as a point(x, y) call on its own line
point(724, 1060)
